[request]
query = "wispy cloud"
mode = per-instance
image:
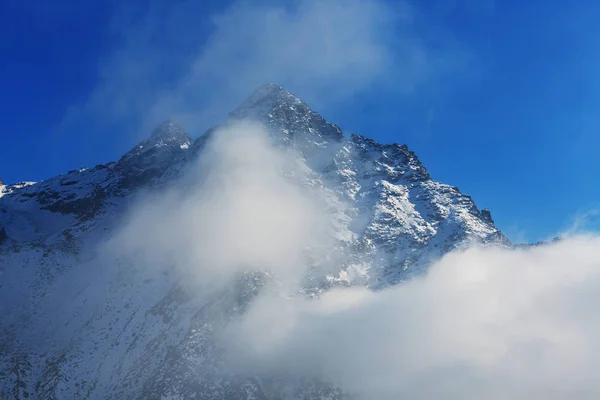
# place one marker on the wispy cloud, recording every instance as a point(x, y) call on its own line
point(583, 222)
point(168, 63)
point(235, 211)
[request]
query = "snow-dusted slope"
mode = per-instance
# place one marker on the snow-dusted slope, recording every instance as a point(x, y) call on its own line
point(395, 212)
point(76, 324)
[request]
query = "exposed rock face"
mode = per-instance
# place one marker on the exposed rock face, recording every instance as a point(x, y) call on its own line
point(486, 215)
point(3, 235)
point(75, 326)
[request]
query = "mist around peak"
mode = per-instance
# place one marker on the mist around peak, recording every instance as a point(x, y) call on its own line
point(485, 322)
point(237, 210)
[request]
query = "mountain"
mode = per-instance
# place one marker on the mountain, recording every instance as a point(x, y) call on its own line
point(77, 325)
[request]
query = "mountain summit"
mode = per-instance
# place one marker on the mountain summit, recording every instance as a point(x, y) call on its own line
point(284, 113)
point(169, 132)
point(76, 325)
point(269, 92)
point(265, 98)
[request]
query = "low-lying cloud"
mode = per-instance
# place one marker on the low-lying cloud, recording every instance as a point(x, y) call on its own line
point(484, 323)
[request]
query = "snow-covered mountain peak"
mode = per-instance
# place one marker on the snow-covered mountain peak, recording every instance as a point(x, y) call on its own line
point(265, 100)
point(159, 156)
point(169, 133)
point(289, 119)
point(125, 331)
point(266, 96)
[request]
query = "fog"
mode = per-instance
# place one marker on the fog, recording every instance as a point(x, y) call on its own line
point(239, 208)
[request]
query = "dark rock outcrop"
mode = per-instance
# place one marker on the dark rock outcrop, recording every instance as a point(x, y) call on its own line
point(3, 235)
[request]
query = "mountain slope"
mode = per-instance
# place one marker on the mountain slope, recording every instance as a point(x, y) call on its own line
point(79, 324)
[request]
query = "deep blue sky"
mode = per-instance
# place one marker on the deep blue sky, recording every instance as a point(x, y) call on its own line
point(516, 125)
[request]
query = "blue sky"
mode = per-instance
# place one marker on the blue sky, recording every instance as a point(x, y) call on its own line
point(500, 98)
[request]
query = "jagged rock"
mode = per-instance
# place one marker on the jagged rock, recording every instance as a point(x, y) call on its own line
point(169, 133)
point(486, 215)
point(282, 112)
point(166, 137)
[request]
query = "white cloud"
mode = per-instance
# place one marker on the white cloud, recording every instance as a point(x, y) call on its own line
point(320, 47)
point(584, 221)
point(486, 323)
point(236, 211)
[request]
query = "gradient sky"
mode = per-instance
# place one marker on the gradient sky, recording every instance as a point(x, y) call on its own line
point(500, 98)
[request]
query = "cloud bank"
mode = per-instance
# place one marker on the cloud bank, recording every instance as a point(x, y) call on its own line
point(484, 323)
